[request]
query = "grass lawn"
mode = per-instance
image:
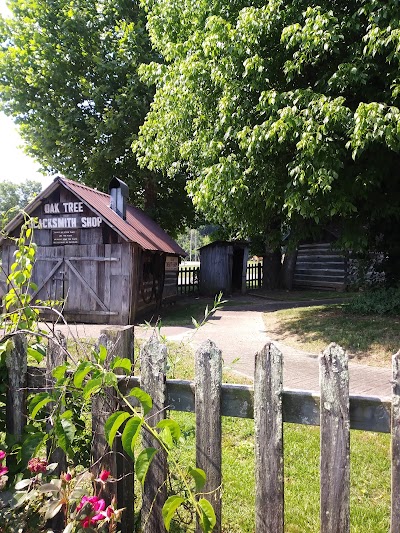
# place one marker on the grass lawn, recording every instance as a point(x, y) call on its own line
point(368, 339)
point(370, 472)
point(299, 295)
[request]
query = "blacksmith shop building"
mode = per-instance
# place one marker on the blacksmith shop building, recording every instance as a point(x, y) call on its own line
point(106, 260)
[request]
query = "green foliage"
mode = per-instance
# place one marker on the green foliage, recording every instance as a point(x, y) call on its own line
point(64, 407)
point(16, 196)
point(283, 113)
point(375, 302)
point(69, 79)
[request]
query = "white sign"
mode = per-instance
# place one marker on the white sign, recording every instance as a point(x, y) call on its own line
point(172, 263)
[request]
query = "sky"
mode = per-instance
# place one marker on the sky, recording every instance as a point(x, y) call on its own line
point(15, 165)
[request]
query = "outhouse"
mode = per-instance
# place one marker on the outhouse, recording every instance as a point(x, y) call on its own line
point(223, 267)
point(105, 260)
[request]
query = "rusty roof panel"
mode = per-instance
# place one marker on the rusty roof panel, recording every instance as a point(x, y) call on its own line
point(138, 227)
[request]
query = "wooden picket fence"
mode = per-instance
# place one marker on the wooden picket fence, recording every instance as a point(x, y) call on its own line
point(188, 279)
point(254, 275)
point(267, 402)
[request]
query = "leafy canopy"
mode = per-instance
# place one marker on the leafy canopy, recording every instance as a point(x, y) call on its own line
point(16, 196)
point(279, 111)
point(69, 78)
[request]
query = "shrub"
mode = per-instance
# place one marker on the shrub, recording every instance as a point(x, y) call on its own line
point(375, 302)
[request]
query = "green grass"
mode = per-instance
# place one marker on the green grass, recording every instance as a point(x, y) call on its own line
point(370, 473)
point(370, 476)
point(300, 296)
point(369, 339)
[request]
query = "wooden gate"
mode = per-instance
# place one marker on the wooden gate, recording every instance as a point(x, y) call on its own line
point(87, 279)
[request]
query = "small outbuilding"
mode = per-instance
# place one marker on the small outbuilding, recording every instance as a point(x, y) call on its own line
point(106, 260)
point(223, 267)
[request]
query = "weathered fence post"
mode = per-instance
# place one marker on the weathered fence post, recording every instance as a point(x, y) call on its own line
point(153, 365)
point(268, 440)
point(335, 441)
point(259, 275)
point(208, 377)
point(119, 342)
point(395, 511)
point(56, 356)
point(17, 389)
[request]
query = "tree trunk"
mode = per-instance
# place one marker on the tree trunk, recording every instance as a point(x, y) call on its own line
point(272, 265)
point(288, 268)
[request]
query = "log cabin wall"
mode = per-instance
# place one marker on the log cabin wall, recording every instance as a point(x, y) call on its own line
point(318, 266)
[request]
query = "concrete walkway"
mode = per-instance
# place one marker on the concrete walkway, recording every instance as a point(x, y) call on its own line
point(239, 331)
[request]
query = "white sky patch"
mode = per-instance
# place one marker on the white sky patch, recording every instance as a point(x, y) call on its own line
point(15, 165)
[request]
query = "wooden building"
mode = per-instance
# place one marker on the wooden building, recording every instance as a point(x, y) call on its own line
point(318, 266)
point(223, 267)
point(105, 259)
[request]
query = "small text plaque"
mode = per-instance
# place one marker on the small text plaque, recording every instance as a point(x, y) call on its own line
point(66, 236)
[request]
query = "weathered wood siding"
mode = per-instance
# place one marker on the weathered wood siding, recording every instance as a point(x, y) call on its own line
point(94, 282)
point(81, 261)
point(319, 267)
point(216, 269)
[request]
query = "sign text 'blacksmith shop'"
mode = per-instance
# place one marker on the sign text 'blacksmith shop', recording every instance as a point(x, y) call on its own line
point(74, 220)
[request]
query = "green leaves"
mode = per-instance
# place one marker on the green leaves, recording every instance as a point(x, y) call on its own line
point(144, 399)
point(143, 462)
point(207, 519)
point(169, 509)
point(37, 402)
point(65, 432)
point(130, 435)
point(199, 477)
point(113, 424)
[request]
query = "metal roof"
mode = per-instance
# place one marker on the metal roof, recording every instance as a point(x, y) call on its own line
point(138, 227)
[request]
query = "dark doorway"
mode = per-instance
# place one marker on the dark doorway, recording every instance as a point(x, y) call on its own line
point(237, 269)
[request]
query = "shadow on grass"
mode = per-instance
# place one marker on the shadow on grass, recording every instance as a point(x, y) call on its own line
point(313, 328)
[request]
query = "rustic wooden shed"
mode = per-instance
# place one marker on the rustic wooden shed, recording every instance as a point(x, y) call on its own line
point(107, 260)
point(223, 267)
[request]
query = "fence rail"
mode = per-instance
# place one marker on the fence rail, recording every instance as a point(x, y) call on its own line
point(268, 403)
point(188, 280)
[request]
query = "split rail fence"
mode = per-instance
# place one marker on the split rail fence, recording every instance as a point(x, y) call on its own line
point(267, 402)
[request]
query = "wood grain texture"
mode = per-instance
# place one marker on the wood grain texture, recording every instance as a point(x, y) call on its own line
point(208, 377)
point(56, 355)
point(17, 387)
point(395, 509)
point(268, 440)
point(335, 441)
point(153, 364)
point(119, 342)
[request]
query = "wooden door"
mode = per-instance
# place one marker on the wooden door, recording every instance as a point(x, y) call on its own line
point(88, 278)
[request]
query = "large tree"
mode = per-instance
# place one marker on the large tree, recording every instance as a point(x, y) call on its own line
point(16, 196)
point(284, 114)
point(68, 76)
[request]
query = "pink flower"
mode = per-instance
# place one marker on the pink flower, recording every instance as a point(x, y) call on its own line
point(2, 454)
point(109, 511)
point(3, 470)
point(96, 514)
point(104, 475)
point(67, 477)
point(37, 465)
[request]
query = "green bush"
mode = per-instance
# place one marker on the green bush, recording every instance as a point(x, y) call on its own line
point(375, 302)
